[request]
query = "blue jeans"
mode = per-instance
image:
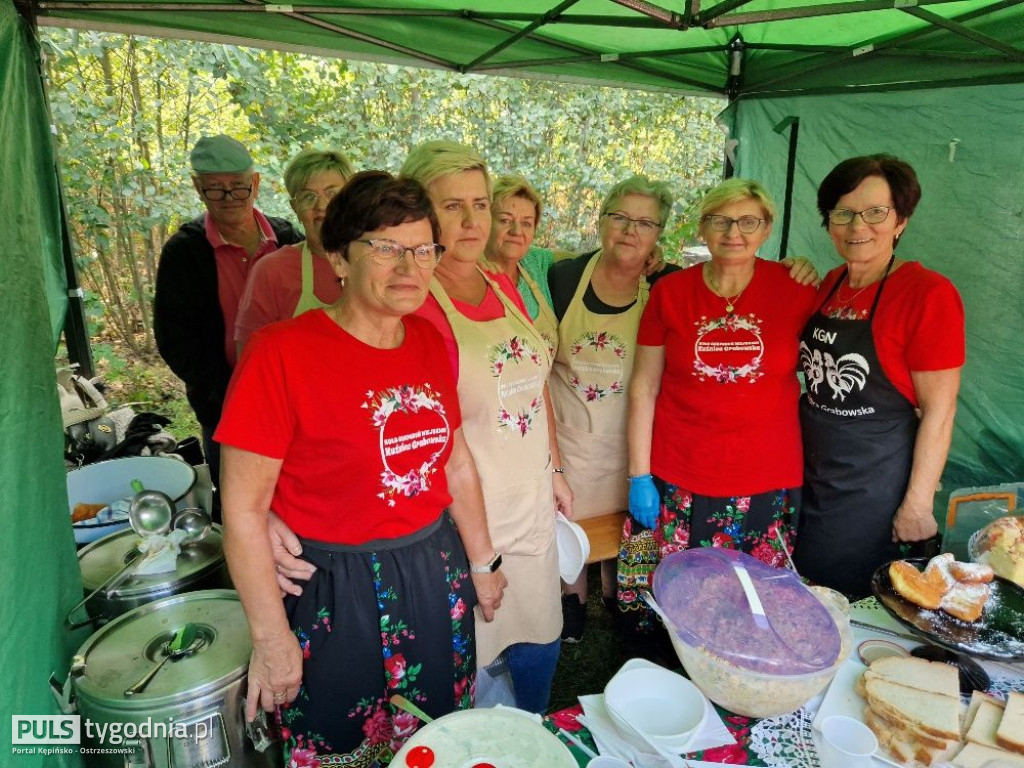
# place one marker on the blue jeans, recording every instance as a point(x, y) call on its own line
point(520, 676)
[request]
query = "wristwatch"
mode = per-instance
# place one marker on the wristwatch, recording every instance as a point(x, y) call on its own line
point(490, 567)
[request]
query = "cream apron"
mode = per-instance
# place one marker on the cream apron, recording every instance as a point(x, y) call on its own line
point(503, 365)
point(588, 393)
point(308, 299)
point(546, 322)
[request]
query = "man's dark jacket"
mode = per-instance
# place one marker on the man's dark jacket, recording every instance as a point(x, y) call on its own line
point(187, 318)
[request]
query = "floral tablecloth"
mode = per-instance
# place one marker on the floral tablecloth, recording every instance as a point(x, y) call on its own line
point(787, 741)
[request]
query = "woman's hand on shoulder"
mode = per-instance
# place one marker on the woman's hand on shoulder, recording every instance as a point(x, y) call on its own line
point(490, 588)
point(914, 521)
point(286, 549)
point(802, 271)
point(275, 673)
point(655, 262)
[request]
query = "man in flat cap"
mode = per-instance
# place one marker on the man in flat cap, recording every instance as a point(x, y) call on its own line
point(202, 273)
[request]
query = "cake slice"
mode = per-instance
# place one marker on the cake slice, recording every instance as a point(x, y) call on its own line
point(935, 676)
point(986, 723)
point(980, 756)
point(1010, 734)
point(966, 601)
point(923, 589)
point(934, 713)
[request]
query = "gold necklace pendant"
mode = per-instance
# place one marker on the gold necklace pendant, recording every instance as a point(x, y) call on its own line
point(730, 302)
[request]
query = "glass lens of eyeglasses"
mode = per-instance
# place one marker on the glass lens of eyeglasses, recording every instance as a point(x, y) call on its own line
point(216, 194)
point(745, 224)
point(621, 221)
point(875, 215)
point(307, 198)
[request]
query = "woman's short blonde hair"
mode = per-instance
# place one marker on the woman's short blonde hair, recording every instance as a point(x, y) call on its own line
point(641, 185)
point(311, 161)
point(511, 185)
point(731, 190)
point(431, 160)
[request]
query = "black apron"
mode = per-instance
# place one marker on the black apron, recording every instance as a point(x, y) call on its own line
point(858, 435)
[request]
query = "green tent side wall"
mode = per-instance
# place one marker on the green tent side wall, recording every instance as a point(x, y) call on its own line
point(965, 144)
point(40, 572)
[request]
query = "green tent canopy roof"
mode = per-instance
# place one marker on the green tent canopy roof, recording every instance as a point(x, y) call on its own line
point(734, 48)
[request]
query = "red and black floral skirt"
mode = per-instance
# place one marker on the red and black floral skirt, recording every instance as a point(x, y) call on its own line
point(387, 617)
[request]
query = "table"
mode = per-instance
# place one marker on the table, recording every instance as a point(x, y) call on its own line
point(787, 741)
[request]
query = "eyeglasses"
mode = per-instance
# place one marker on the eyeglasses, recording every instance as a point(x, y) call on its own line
point(308, 198)
point(389, 252)
point(747, 225)
point(216, 194)
point(642, 226)
point(874, 215)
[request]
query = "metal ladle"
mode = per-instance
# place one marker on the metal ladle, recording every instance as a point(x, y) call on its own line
point(195, 522)
point(171, 653)
point(150, 513)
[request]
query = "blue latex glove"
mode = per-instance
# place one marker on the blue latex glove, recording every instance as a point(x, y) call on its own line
point(643, 500)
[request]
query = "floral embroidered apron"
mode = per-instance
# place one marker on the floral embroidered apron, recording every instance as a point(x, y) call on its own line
point(588, 392)
point(546, 323)
point(503, 365)
point(307, 299)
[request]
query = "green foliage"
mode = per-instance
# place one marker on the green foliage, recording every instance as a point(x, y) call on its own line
point(129, 109)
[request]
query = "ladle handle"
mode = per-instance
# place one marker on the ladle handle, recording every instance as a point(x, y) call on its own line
point(144, 680)
point(114, 581)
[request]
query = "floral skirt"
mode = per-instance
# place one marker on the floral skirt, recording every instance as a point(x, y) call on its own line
point(751, 524)
point(391, 616)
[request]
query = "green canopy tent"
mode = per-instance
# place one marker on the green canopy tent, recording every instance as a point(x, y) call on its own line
point(809, 82)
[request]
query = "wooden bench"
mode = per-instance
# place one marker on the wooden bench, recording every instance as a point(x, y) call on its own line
point(605, 534)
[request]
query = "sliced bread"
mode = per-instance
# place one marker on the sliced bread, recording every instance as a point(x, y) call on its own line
point(913, 732)
point(934, 713)
point(1010, 734)
point(917, 673)
point(977, 697)
point(905, 746)
point(986, 723)
point(980, 756)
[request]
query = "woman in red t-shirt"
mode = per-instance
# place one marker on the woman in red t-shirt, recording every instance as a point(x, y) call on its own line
point(714, 438)
point(881, 358)
point(346, 422)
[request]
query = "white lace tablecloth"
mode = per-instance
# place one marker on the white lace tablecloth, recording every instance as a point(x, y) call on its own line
point(787, 741)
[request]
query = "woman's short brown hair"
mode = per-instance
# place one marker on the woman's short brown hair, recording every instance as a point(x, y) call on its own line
point(847, 176)
point(372, 200)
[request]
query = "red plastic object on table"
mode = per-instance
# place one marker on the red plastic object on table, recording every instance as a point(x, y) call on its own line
point(420, 757)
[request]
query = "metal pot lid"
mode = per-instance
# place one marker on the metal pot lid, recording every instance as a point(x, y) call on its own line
point(102, 559)
point(124, 650)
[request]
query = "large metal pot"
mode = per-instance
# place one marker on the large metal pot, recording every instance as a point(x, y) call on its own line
point(200, 565)
point(108, 481)
point(191, 714)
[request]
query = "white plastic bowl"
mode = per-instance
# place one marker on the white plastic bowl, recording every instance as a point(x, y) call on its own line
point(107, 481)
point(659, 705)
point(573, 548)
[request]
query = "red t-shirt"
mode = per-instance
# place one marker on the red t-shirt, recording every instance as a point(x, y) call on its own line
point(490, 308)
point(275, 286)
point(364, 432)
point(725, 421)
point(918, 326)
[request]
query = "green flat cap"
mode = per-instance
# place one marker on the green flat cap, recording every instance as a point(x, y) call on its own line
point(220, 154)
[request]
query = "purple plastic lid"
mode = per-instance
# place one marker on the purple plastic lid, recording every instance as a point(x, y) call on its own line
point(701, 593)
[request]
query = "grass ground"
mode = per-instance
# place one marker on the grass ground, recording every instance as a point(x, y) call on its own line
point(587, 666)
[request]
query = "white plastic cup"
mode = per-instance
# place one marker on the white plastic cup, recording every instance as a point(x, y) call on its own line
point(607, 761)
point(846, 743)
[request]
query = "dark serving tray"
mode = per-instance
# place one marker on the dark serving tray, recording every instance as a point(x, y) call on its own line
point(998, 634)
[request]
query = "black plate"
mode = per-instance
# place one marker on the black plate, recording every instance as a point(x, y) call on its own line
point(998, 634)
